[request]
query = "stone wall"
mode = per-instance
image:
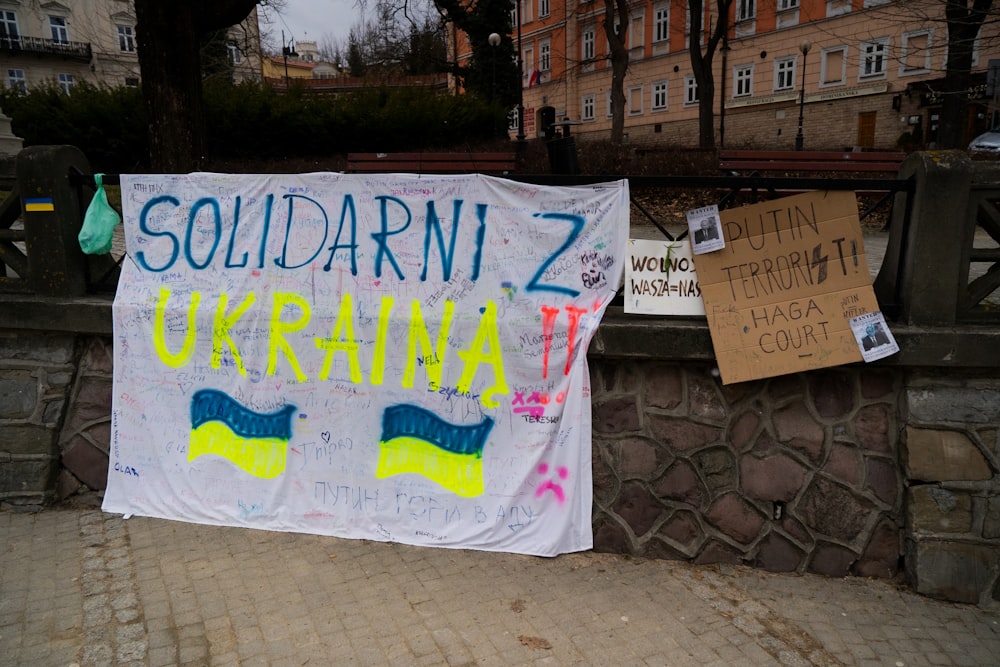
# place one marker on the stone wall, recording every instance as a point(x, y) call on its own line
point(952, 460)
point(793, 474)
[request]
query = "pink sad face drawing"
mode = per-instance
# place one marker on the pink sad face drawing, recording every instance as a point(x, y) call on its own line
point(552, 484)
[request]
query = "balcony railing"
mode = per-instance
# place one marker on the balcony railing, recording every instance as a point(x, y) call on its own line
point(39, 46)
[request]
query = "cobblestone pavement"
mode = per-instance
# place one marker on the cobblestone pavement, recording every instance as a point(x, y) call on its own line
point(80, 587)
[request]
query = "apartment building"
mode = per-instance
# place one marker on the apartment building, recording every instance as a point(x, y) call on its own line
point(859, 73)
point(90, 40)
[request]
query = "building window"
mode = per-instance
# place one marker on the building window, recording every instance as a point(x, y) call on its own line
point(587, 107)
point(234, 53)
point(690, 90)
point(636, 31)
point(916, 56)
point(609, 105)
point(743, 81)
point(838, 7)
point(544, 56)
point(634, 100)
point(126, 39)
point(16, 80)
point(587, 44)
point(833, 66)
point(873, 58)
point(745, 10)
point(784, 5)
point(60, 35)
point(525, 11)
point(784, 74)
point(659, 95)
point(131, 82)
point(66, 82)
point(661, 23)
point(543, 8)
point(10, 36)
point(528, 60)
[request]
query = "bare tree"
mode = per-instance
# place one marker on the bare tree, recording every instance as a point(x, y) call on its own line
point(965, 19)
point(616, 15)
point(702, 45)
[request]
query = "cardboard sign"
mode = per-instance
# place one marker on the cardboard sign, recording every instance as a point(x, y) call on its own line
point(780, 295)
point(388, 357)
point(660, 278)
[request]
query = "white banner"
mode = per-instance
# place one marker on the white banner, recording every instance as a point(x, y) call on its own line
point(388, 357)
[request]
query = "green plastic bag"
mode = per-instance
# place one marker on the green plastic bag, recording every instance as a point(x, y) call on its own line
point(99, 222)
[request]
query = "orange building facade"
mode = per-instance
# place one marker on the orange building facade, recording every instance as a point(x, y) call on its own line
point(860, 73)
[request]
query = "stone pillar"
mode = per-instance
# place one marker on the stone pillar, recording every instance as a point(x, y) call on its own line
point(53, 216)
point(920, 277)
point(10, 143)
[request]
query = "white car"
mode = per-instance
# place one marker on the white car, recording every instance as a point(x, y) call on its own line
point(987, 143)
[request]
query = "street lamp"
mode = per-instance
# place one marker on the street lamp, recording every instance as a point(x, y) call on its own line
point(494, 42)
point(804, 48)
point(287, 49)
point(520, 76)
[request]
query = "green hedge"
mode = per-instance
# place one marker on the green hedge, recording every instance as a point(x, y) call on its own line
point(251, 120)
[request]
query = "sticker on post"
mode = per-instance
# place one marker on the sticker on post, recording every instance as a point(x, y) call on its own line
point(705, 229)
point(874, 338)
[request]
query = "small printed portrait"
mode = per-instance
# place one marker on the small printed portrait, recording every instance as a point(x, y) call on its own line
point(708, 231)
point(874, 336)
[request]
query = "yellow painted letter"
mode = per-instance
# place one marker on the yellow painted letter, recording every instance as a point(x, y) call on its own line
point(486, 334)
point(378, 356)
point(277, 330)
point(190, 336)
point(342, 338)
point(433, 360)
point(221, 327)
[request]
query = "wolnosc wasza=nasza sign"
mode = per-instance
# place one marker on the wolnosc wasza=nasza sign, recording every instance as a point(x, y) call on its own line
point(389, 357)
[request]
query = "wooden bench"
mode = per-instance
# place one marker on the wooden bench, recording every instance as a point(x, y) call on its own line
point(431, 163)
point(814, 161)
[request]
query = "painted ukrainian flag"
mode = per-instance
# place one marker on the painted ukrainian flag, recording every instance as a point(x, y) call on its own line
point(36, 204)
point(256, 442)
point(415, 440)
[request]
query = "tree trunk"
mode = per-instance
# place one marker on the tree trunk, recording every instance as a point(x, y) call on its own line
point(617, 9)
point(963, 27)
point(169, 59)
point(168, 37)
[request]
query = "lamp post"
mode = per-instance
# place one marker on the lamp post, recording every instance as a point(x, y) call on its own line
point(520, 76)
point(494, 42)
point(804, 48)
point(722, 94)
point(287, 49)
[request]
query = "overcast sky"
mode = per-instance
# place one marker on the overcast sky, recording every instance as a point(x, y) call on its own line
point(313, 20)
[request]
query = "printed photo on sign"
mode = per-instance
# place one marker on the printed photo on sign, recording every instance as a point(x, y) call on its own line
point(383, 357)
point(705, 229)
point(874, 338)
point(660, 278)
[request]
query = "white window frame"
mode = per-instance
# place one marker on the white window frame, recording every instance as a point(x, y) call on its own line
point(837, 7)
point(59, 29)
point(609, 114)
point(658, 98)
point(588, 43)
point(528, 61)
point(904, 55)
point(126, 38)
point(743, 80)
point(690, 90)
point(637, 31)
point(784, 73)
point(525, 11)
point(661, 24)
point(787, 5)
point(543, 8)
point(824, 63)
point(9, 20)
point(746, 10)
point(873, 59)
point(588, 106)
point(16, 79)
point(235, 54)
point(66, 82)
point(544, 55)
point(633, 101)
